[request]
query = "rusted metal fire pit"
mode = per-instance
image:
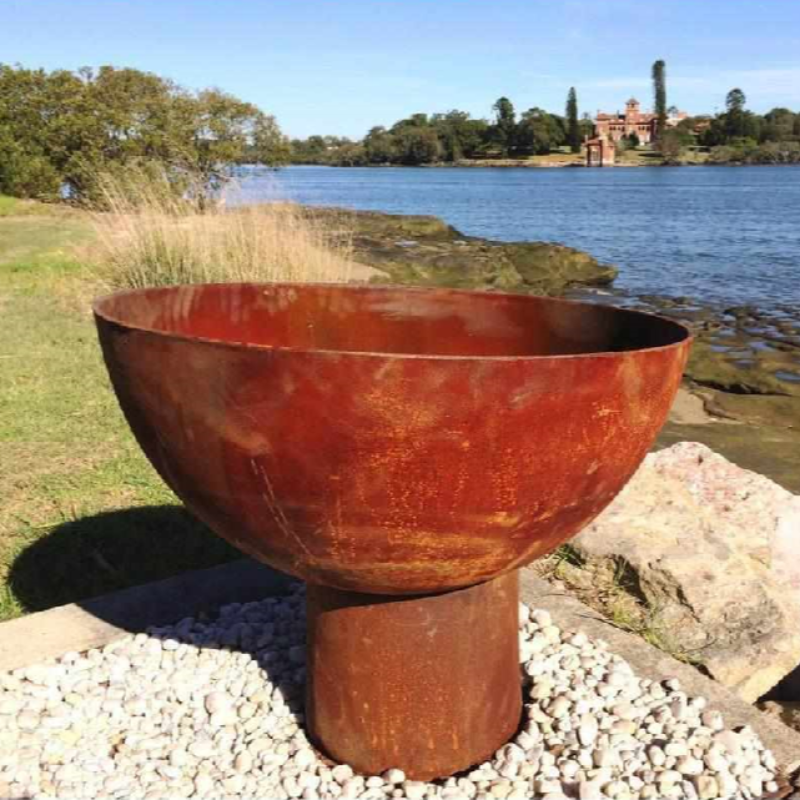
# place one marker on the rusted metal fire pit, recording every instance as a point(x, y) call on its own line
point(404, 451)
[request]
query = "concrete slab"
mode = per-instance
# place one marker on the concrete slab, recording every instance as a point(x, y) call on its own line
point(99, 621)
point(94, 623)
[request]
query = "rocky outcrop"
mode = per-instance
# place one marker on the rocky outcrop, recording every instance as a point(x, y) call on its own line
point(713, 551)
point(745, 362)
point(750, 376)
point(425, 251)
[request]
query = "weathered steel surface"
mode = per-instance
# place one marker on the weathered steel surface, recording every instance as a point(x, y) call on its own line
point(389, 440)
point(381, 442)
point(430, 684)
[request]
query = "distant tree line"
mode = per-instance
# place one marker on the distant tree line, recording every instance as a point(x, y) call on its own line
point(738, 135)
point(60, 130)
point(452, 135)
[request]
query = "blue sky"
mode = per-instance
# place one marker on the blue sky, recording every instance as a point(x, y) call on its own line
point(341, 66)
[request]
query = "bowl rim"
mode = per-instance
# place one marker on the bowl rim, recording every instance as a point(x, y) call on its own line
point(685, 339)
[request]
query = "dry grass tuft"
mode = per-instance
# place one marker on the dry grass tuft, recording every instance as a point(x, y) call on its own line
point(148, 235)
point(612, 589)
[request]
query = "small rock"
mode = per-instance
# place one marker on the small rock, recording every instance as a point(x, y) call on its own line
point(243, 762)
point(707, 787)
point(605, 757)
point(202, 748)
point(342, 773)
point(218, 702)
point(203, 783)
point(590, 790)
point(689, 766)
point(394, 776)
point(588, 730)
point(414, 790)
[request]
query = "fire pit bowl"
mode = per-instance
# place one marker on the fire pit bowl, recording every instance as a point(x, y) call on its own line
point(404, 451)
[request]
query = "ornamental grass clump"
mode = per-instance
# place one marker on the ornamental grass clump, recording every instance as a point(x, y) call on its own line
point(152, 232)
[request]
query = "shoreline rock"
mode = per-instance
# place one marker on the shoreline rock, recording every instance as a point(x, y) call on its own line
point(426, 251)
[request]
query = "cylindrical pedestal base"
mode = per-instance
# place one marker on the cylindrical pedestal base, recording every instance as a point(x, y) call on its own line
point(428, 684)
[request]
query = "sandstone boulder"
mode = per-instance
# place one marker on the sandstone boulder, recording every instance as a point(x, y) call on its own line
point(714, 551)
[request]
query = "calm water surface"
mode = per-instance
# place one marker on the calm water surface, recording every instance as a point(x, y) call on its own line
point(723, 234)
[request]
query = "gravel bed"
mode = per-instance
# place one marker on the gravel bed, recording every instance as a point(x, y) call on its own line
point(213, 708)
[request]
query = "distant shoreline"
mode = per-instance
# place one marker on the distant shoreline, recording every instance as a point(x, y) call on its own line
point(522, 164)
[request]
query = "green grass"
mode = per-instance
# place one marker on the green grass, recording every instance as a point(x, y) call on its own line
point(81, 510)
point(13, 206)
point(7, 205)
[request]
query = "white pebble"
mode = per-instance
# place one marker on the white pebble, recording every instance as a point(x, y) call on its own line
point(342, 773)
point(414, 790)
point(190, 713)
point(588, 730)
point(243, 762)
point(218, 701)
point(393, 776)
point(689, 766)
point(304, 758)
point(707, 787)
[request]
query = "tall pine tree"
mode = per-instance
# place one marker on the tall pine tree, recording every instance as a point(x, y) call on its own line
point(660, 96)
point(506, 124)
point(735, 118)
point(573, 126)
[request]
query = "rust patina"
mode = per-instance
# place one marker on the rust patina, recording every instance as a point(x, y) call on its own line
point(393, 442)
point(430, 683)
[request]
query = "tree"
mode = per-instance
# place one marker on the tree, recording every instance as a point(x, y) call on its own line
point(63, 129)
point(734, 117)
point(738, 123)
point(573, 126)
point(414, 121)
point(56, 129)
point(268, 144)
point(312, 150)
point(671, 145)
point(349, 154)
point(505, 124)
point(459, 135)
point(660, 97)
point(418, 145)
point(735, 100)
point(380, 146)
point(219, 127)
point(26, 173)
point(779, 126)
point(539, 132)
point(736, 126)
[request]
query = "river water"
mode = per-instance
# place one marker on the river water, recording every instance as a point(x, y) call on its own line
point(716, 234)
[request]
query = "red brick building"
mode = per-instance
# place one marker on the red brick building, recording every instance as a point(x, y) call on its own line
point(614, 126)
point(600, 151)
